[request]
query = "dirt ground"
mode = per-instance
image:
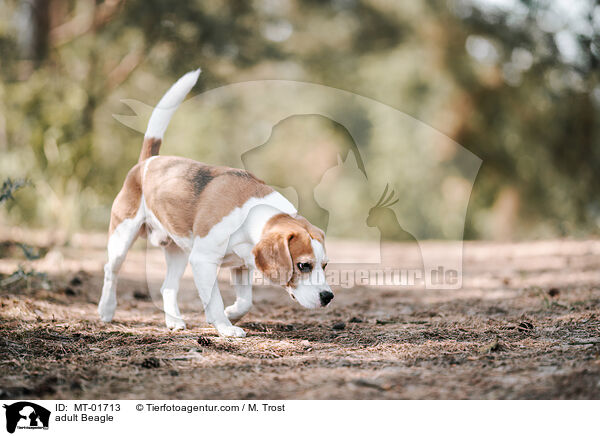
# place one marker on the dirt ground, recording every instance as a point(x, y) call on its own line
point(526, 325)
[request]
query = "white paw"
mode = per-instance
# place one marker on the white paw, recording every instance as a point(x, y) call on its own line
point(174, 323)
point(233, 313)
point(231, 331)
point(106, 312)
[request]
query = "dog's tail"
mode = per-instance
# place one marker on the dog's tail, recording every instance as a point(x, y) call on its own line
point(162, 113)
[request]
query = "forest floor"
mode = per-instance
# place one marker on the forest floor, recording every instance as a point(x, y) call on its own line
point(525, 325)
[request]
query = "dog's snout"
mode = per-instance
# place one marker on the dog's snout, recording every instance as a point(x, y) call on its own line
point(325, 297)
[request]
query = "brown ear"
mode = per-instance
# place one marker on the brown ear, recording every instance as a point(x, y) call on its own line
point(272, 257)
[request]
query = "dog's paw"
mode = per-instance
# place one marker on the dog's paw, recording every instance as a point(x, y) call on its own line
point(174, 322)
point(106, 318)
point(233, 313)
point(106, 312)
point(231, 331)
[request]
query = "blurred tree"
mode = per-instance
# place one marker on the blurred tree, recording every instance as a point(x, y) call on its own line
point(529, 109)
point(63, 59)
point(516, 82)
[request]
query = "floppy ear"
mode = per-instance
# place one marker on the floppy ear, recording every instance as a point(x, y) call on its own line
point(272, 257)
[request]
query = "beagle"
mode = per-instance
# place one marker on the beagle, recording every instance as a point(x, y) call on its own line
point(210, 216)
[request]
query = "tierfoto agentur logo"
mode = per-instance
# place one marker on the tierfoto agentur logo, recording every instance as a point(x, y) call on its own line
point(25, 415)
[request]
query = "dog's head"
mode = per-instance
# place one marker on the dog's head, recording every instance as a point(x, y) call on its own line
point(291, 253)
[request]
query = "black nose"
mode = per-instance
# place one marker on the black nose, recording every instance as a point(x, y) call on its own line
point(325, 297)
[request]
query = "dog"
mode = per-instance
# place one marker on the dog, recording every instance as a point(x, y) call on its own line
point(210, 216)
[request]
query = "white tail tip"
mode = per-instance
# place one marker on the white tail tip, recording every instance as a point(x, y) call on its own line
point(168, 104)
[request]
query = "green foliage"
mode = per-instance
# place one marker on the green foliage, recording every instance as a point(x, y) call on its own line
point(9, 187)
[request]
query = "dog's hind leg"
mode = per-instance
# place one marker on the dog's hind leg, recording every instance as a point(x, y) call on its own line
point(119, 243)
point(177, 260)
point(243, 293)
point(126, 219)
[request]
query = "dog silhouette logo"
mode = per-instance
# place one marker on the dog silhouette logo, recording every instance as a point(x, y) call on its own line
point(26, 415)
point(331, 153)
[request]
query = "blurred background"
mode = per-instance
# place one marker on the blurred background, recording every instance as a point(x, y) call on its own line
point(515, 82)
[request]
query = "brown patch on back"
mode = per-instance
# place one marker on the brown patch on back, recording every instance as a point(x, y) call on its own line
point(191, 197)
point(150, 147)
point(202, 177)
point(127, 202)
point(285, 242)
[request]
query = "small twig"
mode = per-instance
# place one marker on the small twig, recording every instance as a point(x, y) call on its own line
point(122, 71)
point(28, 251)
point(92, 19)
point(592, 341)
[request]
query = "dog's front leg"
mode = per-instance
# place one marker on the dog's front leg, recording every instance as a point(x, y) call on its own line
point(243, 293)
point(205, 265)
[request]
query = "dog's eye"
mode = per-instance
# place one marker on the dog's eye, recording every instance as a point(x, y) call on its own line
point(304, 266)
